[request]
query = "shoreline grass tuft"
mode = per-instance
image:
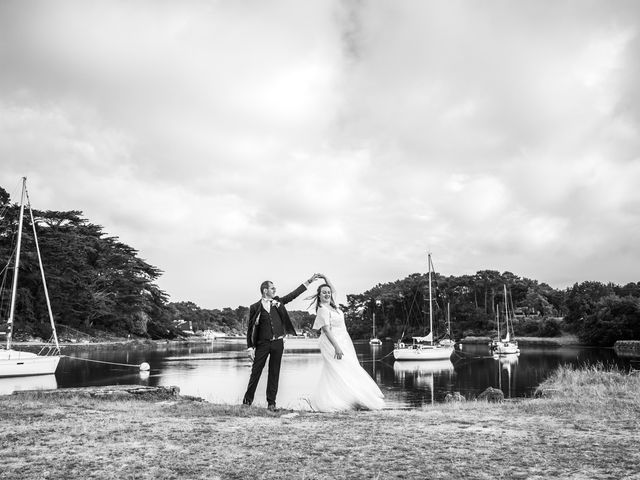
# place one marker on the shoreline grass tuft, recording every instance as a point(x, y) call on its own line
point(589, 382)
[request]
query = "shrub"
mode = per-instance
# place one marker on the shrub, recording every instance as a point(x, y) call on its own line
point(526, 327)
point(549, 328)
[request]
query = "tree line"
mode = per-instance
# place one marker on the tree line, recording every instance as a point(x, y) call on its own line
point(598, 313)
point(96, 283)
point(99, 284)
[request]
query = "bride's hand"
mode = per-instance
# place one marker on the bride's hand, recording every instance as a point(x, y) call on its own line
point(338, 354)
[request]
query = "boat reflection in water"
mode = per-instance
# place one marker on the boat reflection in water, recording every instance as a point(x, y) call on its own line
point(8, 385)
point(508, 364)
point(423, 375)
point(376, 374)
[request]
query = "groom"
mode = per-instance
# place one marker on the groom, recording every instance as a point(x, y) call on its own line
point(268, 324)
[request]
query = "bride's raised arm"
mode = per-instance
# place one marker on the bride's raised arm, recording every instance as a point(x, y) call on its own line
point(328, 282)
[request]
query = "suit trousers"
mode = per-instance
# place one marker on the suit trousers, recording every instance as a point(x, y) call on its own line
point(272, 349)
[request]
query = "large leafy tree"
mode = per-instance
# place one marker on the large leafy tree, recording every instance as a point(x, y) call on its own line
point(614, 318)
point(94, 280)
point(581, 300)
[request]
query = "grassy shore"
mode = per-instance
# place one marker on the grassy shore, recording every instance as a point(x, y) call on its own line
point(584, 424)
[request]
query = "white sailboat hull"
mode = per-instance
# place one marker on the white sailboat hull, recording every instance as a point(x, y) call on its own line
point(375, 341)
point(14, 363)
point(423, 352)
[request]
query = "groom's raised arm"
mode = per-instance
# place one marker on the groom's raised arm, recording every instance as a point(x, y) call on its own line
point(296, 293)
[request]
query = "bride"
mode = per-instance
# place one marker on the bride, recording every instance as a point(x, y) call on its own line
point(343, 383)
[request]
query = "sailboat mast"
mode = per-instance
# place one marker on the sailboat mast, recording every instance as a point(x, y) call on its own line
point(44, 280)
point(506, 313)
point(14, 288)
point(430, 302)
point(374, 324)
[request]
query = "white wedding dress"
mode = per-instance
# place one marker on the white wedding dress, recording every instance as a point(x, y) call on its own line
point(343, 384)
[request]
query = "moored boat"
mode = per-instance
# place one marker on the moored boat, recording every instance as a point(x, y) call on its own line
point(16, 363)
point(447, 341)
point(423, 348)
point(507, 345)
point(374, 340)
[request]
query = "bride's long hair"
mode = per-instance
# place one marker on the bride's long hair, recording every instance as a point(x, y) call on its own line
point(315, 299)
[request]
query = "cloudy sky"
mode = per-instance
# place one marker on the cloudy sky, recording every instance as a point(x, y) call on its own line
point(232, 141)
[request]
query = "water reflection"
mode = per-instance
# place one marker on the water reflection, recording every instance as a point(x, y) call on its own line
point(507, 364)
point(219, 371)
point(375, 349)
point(221, 377)
point(8, 385)
point(423, 374)
point(417, 369)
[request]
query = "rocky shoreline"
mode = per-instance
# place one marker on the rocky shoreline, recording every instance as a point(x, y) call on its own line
point(115, 392)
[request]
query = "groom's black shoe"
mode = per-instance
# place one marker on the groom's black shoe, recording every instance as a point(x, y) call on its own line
point(272, 407)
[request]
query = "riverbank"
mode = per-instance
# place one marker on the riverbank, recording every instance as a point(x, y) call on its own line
point(562, 341)
point(565, 340)
point(585, 424)
point(123, 341)
point(627, 348)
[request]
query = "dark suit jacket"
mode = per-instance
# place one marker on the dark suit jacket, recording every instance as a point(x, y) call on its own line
point(254, 314)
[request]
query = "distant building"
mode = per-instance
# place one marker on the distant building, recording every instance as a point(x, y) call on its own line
point(186, 327)
point(519, 312)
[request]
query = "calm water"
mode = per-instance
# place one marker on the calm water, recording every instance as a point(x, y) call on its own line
point(218, 371)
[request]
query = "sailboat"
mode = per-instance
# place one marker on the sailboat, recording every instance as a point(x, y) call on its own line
point(447, 341)
point(374, 340)
point(17, 363)
point(423, 348)
point(507, 345)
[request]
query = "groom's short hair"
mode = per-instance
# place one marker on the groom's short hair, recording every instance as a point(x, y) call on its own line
point(264, 285)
